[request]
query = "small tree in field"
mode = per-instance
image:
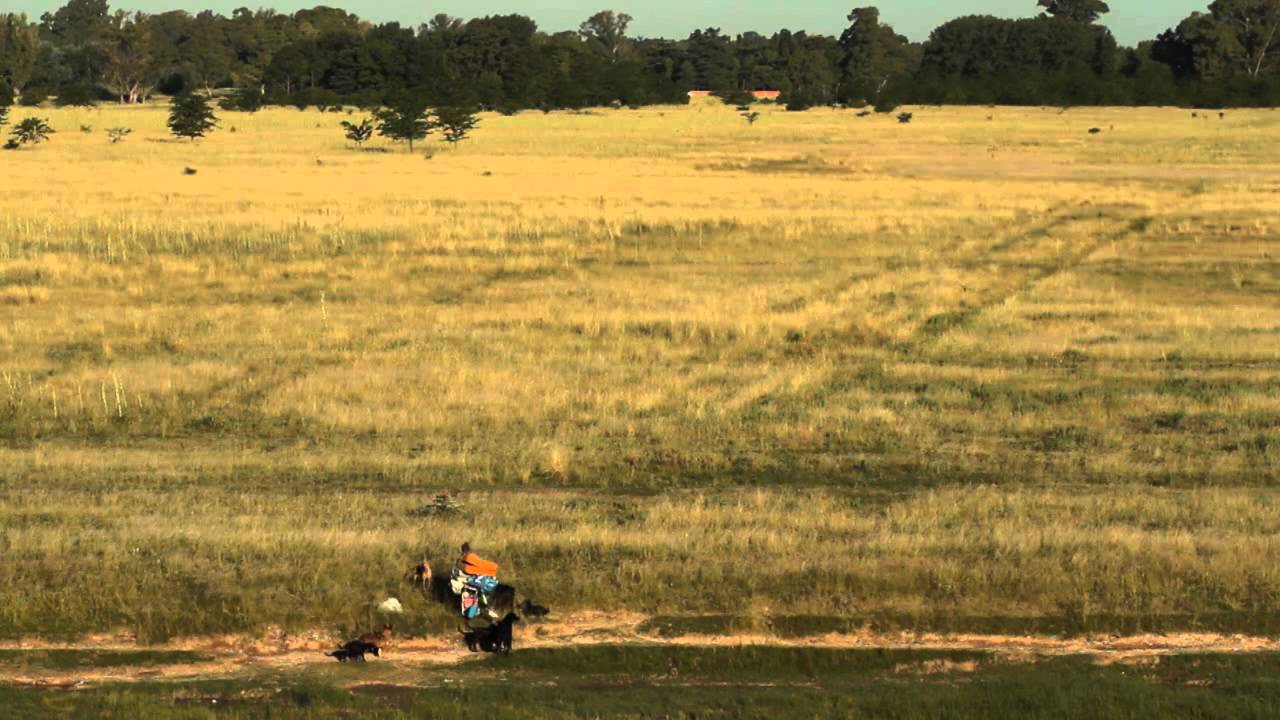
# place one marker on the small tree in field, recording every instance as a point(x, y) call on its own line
point(118, 134)
point(361, 133)
point(191, 117)
point(456, 123)
point(406, 120)
point(31, 131)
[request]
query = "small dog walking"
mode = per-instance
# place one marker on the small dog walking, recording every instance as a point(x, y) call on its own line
point(534, 610)
point(355, 651)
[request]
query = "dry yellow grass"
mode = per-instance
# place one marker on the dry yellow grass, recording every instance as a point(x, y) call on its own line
point(301, 342)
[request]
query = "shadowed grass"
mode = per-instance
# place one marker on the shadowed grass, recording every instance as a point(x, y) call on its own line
point(722, 683)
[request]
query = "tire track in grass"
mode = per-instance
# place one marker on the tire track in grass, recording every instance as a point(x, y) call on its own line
point(1120, 222)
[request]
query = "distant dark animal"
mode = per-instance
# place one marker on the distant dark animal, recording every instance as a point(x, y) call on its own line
point(189, 171)
point(378, 639)
point(1222, 116)
point(355, 651)
point(532, 609)
point(865, 113)
point(1095, 131)
point(905, 118)
point(494, 639)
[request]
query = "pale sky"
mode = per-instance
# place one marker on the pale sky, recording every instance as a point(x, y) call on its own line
point(1130, 20)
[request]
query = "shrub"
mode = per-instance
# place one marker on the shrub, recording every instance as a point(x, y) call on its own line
point(799, 102)
point(76, 96)
point(191, 117)
point(248, 100)
point(736, 98)
point(456, 123)
point(31, 131)
point(361, 133)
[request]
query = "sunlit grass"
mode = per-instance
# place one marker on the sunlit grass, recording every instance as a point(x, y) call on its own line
point(253, 374)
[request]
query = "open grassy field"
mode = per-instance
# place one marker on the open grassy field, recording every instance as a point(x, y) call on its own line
point(985, 370)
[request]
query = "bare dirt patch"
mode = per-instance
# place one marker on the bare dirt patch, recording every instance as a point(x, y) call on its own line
point(278, 650)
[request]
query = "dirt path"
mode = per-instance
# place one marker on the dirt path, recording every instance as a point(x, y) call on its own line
point(231, 656)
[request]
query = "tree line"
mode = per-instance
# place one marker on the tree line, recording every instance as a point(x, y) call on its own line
point(85, 52)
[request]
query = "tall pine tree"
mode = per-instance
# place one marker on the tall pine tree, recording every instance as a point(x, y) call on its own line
point(191, 117)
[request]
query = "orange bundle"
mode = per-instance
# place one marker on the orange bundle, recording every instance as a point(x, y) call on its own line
point(473, 564)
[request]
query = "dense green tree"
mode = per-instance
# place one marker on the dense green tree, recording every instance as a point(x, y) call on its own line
point(1083, 11)
point(19, 45)
point(760, 66)
point(455, 122)
point(605, 34)
point(1199, 47)
point(1251, 33)
point(79, 30)
point(323, 20)
point(811, 72)
point(292, 68)
point(78, 23)
point(191, 117)
point(325, 56)
point(715, 66)
point(982, 59)
point(873, 55)
point(206, 53)
point(351, 68)
point(130, 66)
point(406, 120)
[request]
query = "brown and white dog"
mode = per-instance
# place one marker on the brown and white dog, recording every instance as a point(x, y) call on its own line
point(420, 575)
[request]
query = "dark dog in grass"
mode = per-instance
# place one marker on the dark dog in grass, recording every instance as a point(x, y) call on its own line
point(534, 610)
point(494, 639)
point(355, 650)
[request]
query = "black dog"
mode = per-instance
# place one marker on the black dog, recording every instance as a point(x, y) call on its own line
point(533, 610)
point(494, 639)
point(355, 650)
